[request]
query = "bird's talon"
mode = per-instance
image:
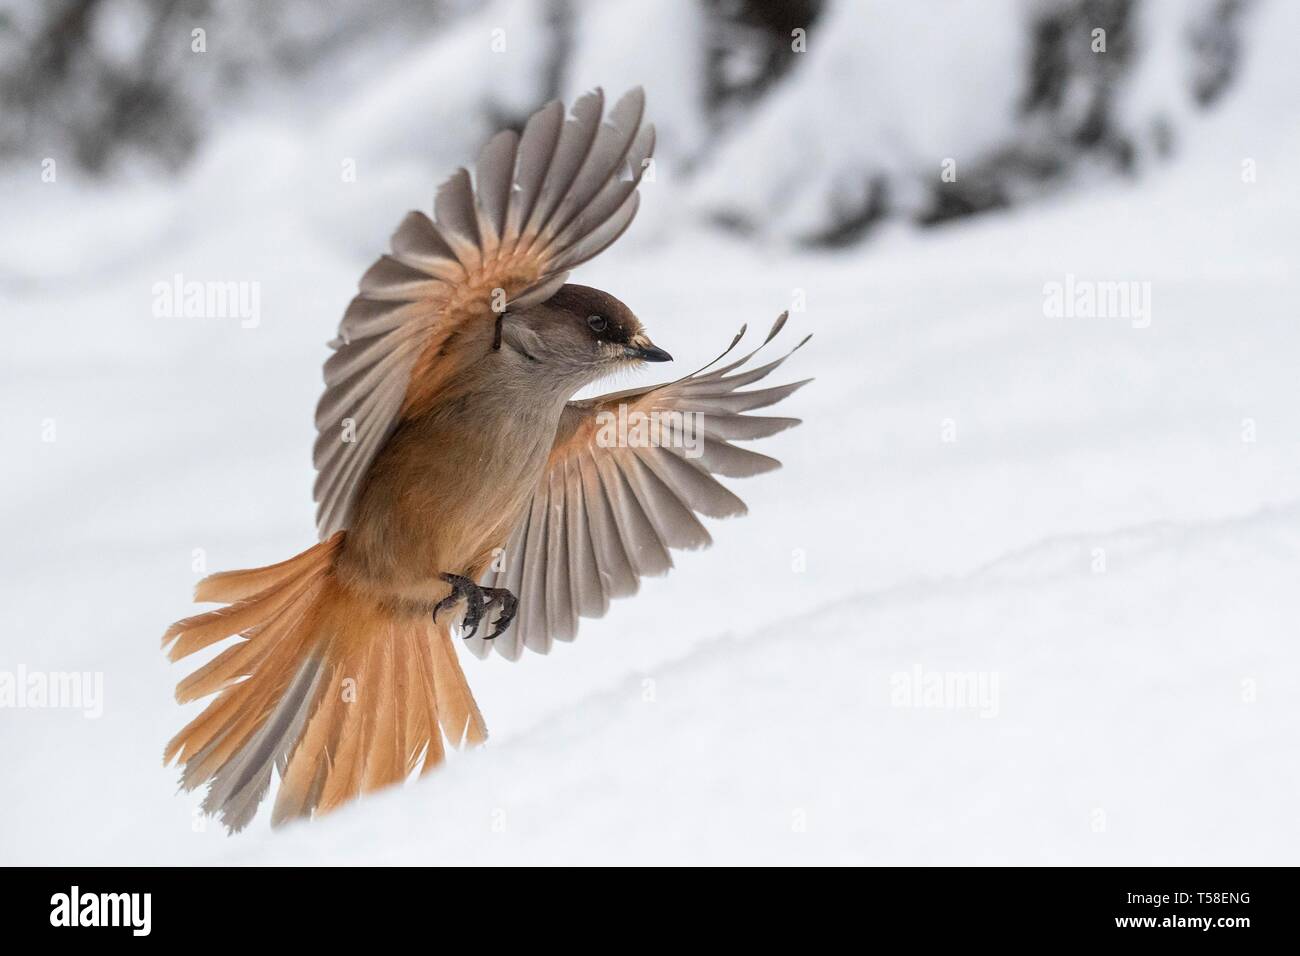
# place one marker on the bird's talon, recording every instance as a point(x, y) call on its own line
point(475, 603)
point(508, 603)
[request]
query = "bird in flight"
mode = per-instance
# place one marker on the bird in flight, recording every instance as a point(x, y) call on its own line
point(460, 489)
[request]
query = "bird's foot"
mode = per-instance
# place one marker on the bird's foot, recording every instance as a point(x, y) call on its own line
point(507, 602)
point(463, 589)
point(478, 602)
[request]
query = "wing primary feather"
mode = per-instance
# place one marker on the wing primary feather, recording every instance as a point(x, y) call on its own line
point(747, 401)
point(727, 460)
point(675, 525)
point(367, 318)
point(576, 139)
point(617, 574)
point(746, 427)
point(531, 617)
point(561, 622)
point(416, 243)
point(602, 237)
point(492, 180)
point(740, 379)
point(645, 552)
point(604, 160)
point(611, 197)
point(693, 485)
point(532, 159)
point(456, 219)
point(777, 326)
point(586, 591)
point(391, 279)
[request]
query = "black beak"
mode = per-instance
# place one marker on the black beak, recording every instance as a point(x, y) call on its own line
point(648, 353)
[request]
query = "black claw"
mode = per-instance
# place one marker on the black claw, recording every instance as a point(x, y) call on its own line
point(508, 603)
point(478, 602)
point(475, 603)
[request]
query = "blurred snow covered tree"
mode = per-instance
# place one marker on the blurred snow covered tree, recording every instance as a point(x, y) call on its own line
point(806, 119)
point(100, 79)
point(750, 47)
point(939, 110)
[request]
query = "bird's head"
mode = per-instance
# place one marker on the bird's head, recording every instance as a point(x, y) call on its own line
point(578, 335)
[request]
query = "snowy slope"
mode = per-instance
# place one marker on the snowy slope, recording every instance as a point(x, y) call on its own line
point(1098, 544)
point(1118, 701)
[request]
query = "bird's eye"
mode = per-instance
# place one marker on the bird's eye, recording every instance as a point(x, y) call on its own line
point(598, 323)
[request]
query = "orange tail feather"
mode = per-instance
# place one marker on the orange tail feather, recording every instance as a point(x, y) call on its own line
point(339, 691)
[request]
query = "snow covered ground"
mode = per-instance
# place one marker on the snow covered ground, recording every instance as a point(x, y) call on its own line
point(1025, 591)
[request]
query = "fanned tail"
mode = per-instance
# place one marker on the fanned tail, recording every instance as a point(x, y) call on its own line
point(339, 691)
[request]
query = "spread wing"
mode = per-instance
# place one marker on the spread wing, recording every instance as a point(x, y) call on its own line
point(616, 498)
point(539, 204)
